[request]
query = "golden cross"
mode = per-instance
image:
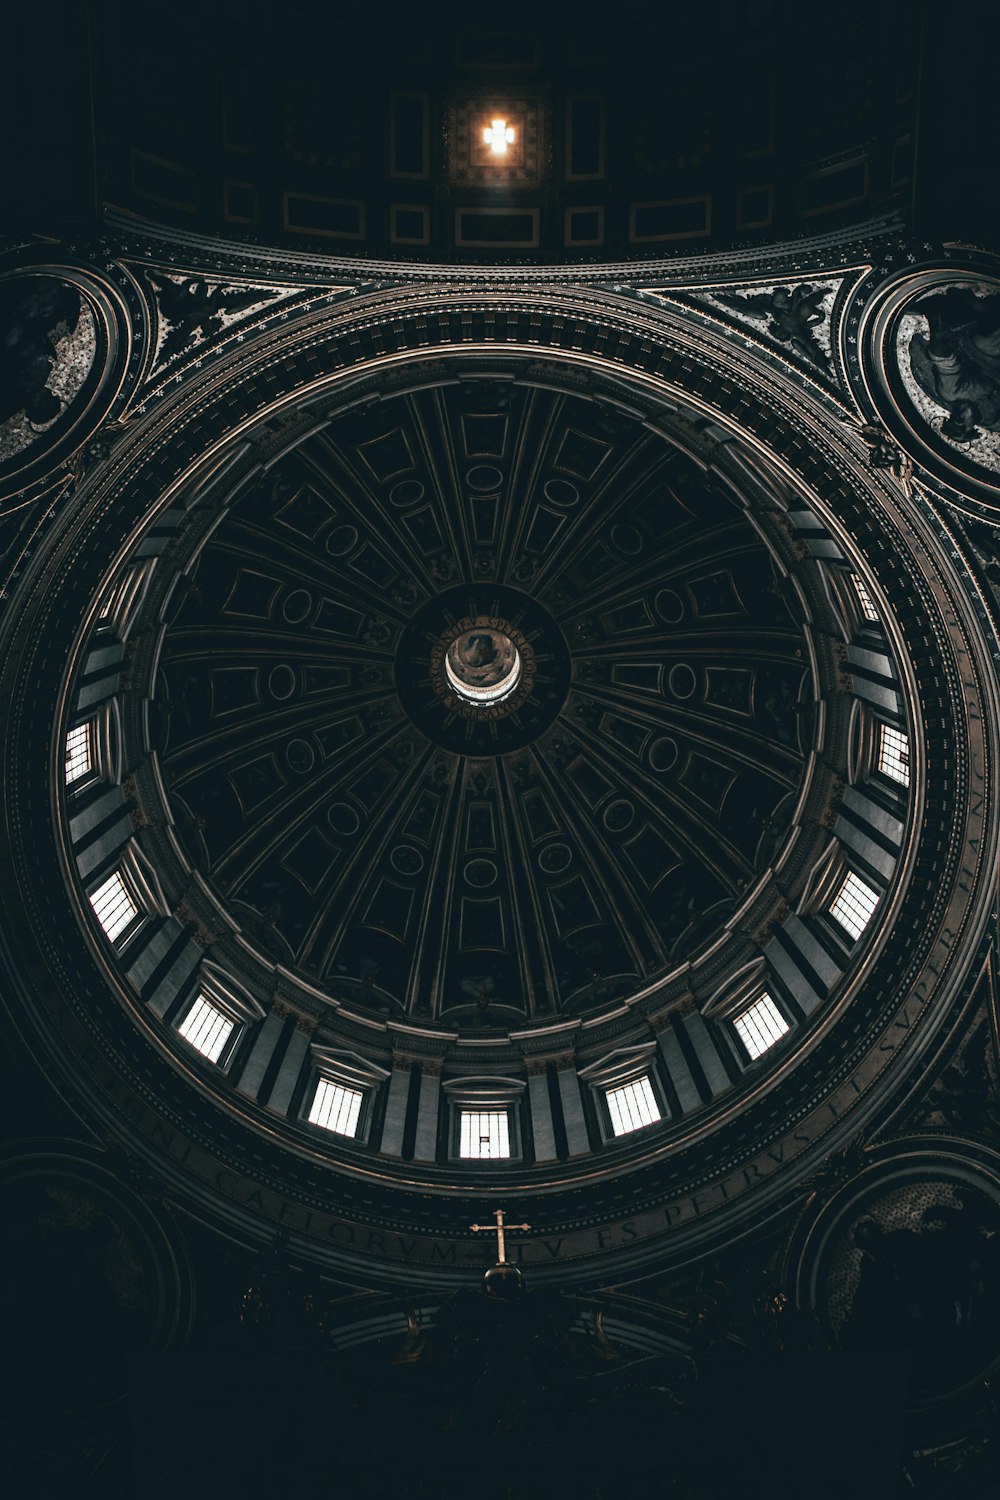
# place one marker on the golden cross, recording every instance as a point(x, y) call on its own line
point(498, 1229)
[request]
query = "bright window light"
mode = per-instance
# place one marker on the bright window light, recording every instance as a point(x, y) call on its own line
point(498, 135)
point(864, 598)
point(760, 1026)
point(632, 1106)
point(336, 1108)
point(894, 754)
point(78, 761)
point(484, 1134)
point(113, 906)
point(206, 1028)
point(854, 905)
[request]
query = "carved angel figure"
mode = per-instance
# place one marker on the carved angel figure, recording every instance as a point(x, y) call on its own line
point(194, 307)
point(481, 987)
point(792, 313)
point(884, 454)
point(957, 364)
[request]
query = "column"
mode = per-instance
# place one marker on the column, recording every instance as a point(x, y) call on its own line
point(397, 1098)
point(288, 1073)
point(704, 1045)
point(676, 1066)
point(542, 1128)
point(425, 1145)
point(574, 1118)
point(260, 1055)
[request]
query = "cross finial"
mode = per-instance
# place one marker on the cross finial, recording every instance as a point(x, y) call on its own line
point(499, 1229)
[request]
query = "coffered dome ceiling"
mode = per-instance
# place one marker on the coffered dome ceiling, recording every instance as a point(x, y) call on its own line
point(482, 864)
point(485, 692)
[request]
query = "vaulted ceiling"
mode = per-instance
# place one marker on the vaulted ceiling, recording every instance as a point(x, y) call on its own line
point(637, 129)
point(573, 838)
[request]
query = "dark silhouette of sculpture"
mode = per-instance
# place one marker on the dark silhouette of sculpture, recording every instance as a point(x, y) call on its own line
point(192, 307)
point(957, 363)
point(32, 312)
point(792, 313)
point(884, 454)
point(933, 1289)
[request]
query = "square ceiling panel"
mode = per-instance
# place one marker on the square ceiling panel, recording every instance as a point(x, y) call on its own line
point(472, 162)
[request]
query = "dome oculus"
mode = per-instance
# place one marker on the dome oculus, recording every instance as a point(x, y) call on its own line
point(483, 665)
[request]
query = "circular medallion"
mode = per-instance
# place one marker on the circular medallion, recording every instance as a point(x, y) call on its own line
point(482, 665)
point(947, 345)
point(482, 669)
point(73, 347)
point(904, 1257)
point(929, 341)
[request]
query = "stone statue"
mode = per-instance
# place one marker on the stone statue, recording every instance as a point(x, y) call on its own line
point(957, 364)
point(884, 454)
point(34, 312)
point(792, 313)
point(193, 308)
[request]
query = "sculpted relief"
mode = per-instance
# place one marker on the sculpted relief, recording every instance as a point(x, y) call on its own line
point(919, 1272)
point(46, 353)
point(948, 347)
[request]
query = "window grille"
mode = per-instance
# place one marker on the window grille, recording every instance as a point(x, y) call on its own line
point(894, 754)
point(854, 905)
point(632, 1106)
point(864, 598)
point(484, 1135)
point(78, 761)
point(207, 1029)
point(336, 1108)
point(760, 1026)
point(113, 906)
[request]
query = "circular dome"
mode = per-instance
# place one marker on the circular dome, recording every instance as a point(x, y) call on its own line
point(321, 892)
point(520, 730)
